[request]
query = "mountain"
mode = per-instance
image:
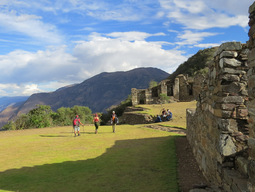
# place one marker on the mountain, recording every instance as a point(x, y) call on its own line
point(6, 101)
point(98, 93)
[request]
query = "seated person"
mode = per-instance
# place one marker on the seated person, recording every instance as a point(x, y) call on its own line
point(158, 119)
point(169, 115)
point(163, 112)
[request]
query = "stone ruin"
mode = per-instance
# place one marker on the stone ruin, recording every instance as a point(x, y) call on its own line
point(183, 88)
point(221, 130)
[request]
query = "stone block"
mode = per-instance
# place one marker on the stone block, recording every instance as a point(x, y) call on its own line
point(251, 81)
point(228, 54)
point(242, 165)
point(251, 107)
point(242, 113)
point(228, 125)
point(226, 114)
point(226, 145)
point(228, 106)
point(229, 77)
point(251, 173)
point(251, 144)
point(231, 71)
point(228, 46)
point(226, 62)
point(251, 63)
point(233, 99)
point(234, 87)
point(251, 55)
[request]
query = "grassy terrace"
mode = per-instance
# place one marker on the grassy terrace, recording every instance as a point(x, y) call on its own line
point(51, 159)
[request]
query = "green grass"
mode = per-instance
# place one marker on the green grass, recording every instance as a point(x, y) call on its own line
point(178, 110)
point(51, 159)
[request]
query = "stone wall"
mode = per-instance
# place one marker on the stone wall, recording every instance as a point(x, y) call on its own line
point(217, 130)
point(251, 101)
point(181, 89)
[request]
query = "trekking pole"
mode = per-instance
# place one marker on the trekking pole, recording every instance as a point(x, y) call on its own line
point(83, 128)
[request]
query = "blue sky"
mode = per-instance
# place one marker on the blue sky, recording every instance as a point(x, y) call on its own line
point(48, 44)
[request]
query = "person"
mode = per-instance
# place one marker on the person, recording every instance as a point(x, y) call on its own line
point(163, 112)
point(169, 115)
point(114, 121)
point(96, 122)
point(76, 125)
point(158, 119)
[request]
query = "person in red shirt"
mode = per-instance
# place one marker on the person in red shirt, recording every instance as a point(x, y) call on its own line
point(76, 125)
point(96, 122)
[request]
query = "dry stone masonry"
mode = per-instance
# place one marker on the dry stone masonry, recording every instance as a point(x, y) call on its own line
point(183, 88)
point(251, 101)
point(217, 130)
point(221, 130)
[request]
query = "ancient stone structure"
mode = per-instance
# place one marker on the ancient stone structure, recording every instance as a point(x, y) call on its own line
point(182, 88)
point(217, 130)
point(251, 101)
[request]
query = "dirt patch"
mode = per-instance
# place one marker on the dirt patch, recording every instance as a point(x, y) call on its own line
point(188, 170)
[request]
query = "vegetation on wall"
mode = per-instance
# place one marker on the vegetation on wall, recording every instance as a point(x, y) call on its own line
point(43, 116)
point(153, 84)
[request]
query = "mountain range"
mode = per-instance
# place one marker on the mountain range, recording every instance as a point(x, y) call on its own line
point(98, 93)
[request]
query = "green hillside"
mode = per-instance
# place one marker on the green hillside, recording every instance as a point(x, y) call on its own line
point(195, 64)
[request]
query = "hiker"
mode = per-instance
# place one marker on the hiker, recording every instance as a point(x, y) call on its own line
point(169, 115)
point(158, 119)
point(76, 125)
point(114, 121)
point(96, 122)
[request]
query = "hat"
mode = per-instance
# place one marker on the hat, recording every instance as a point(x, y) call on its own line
point(77, 116)
point(113, 111)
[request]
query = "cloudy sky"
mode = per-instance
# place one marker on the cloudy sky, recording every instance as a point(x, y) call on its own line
point(48, 44)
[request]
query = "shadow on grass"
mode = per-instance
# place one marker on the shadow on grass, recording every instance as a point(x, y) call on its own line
point(130, 165)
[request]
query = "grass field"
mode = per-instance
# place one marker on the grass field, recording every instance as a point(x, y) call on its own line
point(178, 110)
point(134, 159)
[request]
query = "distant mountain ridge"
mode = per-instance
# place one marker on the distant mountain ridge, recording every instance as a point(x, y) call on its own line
point(98, 92)
point(6, 101)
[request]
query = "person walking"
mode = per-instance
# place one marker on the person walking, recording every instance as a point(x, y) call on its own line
point(76, 125)
point(96, 122)
point(114, 121)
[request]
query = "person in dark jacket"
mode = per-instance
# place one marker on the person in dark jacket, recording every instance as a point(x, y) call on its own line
point(114, 121)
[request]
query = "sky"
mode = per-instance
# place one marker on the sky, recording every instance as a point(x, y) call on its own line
point(48, 44)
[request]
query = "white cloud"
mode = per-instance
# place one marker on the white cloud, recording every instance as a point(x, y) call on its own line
point(29, 25)
point(53, 68)
point(207, 45)
point(191, 38)
point(133, 35)
point(30, 89)
point(198, 14)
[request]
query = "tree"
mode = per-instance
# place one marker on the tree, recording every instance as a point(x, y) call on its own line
point(153, 84)
point(163, 98)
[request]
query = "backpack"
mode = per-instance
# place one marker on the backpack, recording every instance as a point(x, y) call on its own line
point(76, 122)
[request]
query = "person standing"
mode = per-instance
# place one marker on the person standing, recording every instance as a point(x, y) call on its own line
point(76, 125)
point(114, 121)
point(96, 122)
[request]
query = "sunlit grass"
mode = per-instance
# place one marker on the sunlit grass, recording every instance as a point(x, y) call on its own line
point(178, 110)
point(51, 159)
